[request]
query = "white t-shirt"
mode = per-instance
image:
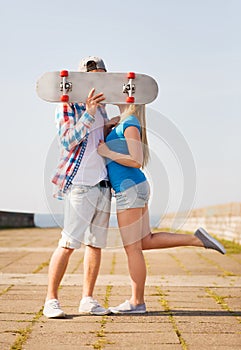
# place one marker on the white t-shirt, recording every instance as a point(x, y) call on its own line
point(92, 167)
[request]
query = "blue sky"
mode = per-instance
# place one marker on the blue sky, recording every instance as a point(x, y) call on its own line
point(193, 50)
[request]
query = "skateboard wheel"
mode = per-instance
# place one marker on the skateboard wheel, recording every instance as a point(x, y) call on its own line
point(130, 99)
point(64, 98)
point(64, 73)
point(131, 75)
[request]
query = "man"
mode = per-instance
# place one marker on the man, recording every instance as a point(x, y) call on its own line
point(82, 181)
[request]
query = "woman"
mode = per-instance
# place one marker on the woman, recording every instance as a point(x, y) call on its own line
point(126, 150)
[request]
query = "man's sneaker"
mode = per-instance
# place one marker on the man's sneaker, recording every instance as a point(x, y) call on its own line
point(128, 308)
point(52, 309)
point(88, 305)
point(208, 241)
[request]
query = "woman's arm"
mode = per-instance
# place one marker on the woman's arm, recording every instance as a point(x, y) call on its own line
point(135, 157)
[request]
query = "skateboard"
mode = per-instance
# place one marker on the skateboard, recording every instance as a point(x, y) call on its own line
point(118, 88)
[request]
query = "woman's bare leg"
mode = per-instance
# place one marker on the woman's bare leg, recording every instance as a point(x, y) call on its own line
point(130, 222)
point(161, 240)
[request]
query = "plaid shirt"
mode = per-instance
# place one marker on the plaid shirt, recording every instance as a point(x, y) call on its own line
point(73, 123)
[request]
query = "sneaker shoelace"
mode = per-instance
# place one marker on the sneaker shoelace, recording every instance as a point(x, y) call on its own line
point(95, 303)
point(55, 304)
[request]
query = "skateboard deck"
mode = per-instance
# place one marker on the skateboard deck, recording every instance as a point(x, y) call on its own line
point(118, 88)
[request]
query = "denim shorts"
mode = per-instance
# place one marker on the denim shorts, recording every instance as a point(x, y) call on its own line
point(86, 216)
point(136, 196)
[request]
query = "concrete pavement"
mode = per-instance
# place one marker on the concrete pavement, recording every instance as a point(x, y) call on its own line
point(193, 297)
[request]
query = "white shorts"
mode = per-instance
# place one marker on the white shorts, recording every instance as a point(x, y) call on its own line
point(86, 216)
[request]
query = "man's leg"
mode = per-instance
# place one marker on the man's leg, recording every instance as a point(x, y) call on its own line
point(57, 268)
point(91, 269)
point(95, 239)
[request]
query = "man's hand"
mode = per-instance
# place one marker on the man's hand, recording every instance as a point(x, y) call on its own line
point(93, 101)
point(109, 124)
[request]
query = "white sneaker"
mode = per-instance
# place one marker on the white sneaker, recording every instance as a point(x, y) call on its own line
point(128, 308)
point(88, 305)
point(52, 309)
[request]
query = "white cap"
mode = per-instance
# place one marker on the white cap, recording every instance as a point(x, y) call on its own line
point(91, 63)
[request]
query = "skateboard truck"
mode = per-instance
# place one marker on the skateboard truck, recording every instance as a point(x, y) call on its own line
point(130, 88)
point(65, 86)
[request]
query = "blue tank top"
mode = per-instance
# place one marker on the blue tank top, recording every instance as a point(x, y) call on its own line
point(121, 176)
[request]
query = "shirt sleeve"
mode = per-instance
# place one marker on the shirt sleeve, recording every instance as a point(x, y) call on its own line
point(131, 121)
point(73, 124)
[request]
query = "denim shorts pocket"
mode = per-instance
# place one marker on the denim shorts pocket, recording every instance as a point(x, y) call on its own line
point(78, 190)
point(143, 191)
point(121, 198)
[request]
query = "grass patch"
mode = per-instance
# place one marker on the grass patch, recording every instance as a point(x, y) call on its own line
point(113, 263)
point(41, 266)
point(231, 246)
point(180, 264)
point(167, 309)
point(102, 340)
point(6, 290)
point(221, 301)
point(25, 333)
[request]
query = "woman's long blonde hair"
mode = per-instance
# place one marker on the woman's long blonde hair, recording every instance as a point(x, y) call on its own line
point(139, 111)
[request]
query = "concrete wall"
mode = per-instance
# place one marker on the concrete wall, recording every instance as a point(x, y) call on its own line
point(221, 220)
point(12, 219)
